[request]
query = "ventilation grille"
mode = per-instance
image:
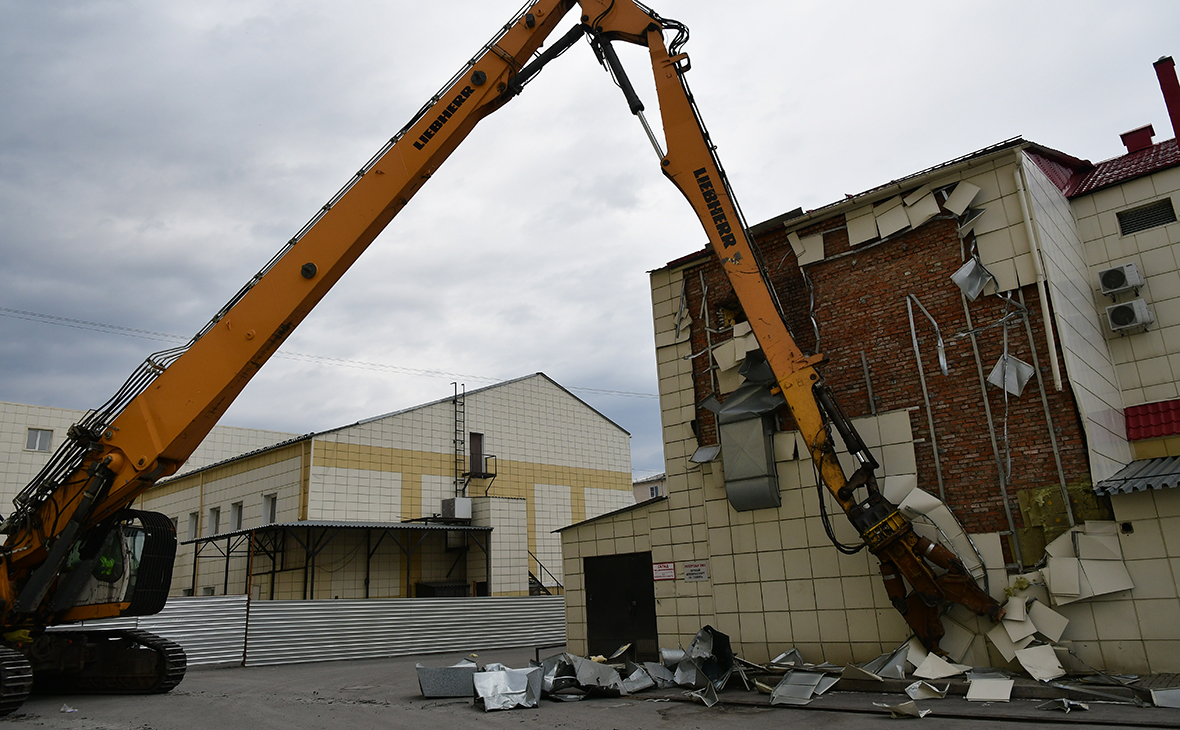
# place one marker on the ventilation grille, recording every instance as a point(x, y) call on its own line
point(1149, 216)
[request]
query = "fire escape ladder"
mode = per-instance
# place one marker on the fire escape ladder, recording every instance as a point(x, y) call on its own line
point(460, 440)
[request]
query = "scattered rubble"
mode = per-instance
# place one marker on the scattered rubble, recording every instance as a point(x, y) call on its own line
point(708, 666)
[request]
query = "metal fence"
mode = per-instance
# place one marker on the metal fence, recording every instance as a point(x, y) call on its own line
point(233, 630)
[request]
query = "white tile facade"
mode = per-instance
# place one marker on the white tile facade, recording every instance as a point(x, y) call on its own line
point(1087, 359)
point(18, 465)
point(1148, 363)
point(401, 466)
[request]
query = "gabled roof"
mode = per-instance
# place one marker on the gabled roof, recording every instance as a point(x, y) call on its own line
point(477, 391)
point(1128, 167)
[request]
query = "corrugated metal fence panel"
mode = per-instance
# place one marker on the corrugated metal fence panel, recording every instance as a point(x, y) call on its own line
point(212, 629)
point(289, 632)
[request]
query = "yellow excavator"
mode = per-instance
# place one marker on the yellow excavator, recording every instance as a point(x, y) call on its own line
point(73, 549)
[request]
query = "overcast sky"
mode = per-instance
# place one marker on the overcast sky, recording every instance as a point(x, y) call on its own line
point(154, 154)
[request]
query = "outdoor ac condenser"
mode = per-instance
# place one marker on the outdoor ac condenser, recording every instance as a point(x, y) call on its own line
point(1120, 279)
point(1129, 315)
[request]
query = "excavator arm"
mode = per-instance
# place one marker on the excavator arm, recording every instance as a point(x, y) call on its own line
point(692, 166)
point(64, 519)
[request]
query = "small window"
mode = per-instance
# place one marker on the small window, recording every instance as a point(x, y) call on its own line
point(654, 491)
point(39, 439)
point(186, 591)
point(1159, 213)
point(214, 520)
point(235, 516)
point(207, 591)
point(270, 508)
point(194, 525)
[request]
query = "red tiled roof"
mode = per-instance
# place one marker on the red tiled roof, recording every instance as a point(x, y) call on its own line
point(1152, 420)
point(1128, 167)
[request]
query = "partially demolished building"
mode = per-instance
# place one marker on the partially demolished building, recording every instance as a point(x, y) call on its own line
point(1004, 330)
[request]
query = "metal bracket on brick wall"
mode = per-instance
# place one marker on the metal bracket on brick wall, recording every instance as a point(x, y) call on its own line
point(910, 301)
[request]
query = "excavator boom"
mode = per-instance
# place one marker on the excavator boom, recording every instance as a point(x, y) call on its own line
point(74, 516)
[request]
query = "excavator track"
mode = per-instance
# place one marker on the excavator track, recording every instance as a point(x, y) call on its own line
point(16, 680)
point(118, 664)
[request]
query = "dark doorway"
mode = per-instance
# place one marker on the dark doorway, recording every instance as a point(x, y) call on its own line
point(621, 605)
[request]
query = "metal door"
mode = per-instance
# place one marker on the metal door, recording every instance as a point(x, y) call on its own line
point(621, 605)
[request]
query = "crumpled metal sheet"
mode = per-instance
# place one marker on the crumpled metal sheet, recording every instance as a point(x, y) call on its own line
point(890, 665)
point(501, 688)
point(559, 681)
point(796, 688)
point(671, 657)
point(591, 674)
point(688, 674)
point(453, 681)
point(711, 653)
point(662, 675)
point(637, 681)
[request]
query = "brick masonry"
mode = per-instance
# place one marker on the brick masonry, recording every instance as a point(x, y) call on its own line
point(860, 305)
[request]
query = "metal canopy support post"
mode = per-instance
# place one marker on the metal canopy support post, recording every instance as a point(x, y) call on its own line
point(313, 538)
point(311, 549)
point(225, 581)
point(409, 553)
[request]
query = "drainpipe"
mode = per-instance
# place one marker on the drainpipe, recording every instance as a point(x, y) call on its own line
point(1035, 248)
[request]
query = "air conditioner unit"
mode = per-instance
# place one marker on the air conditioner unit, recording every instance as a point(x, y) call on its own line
point(456, 508)
point(1120, 278)
point(1129, 315)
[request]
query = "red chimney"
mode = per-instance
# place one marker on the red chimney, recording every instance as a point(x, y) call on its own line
point(1137, 139)
point(1165, 70)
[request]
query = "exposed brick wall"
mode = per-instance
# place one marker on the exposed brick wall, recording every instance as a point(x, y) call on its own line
point(860, 303)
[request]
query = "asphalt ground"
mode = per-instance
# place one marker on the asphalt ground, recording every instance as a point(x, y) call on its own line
point(384, 693)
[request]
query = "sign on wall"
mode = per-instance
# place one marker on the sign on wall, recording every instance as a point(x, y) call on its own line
point(663, 571)
point(696, 572)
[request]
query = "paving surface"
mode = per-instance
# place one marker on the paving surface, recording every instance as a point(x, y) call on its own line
point(384, 693)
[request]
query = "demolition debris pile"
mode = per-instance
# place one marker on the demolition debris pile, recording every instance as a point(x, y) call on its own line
point(709, 666)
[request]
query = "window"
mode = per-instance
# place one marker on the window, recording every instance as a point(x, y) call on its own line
point(654, 490)
point(194, 525)
point(235, 516)
point(38, 440)
point(270, 509)
point(1159, 213)
point(214, 520)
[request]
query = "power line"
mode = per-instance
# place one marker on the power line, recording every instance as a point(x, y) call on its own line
point(115, 329)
